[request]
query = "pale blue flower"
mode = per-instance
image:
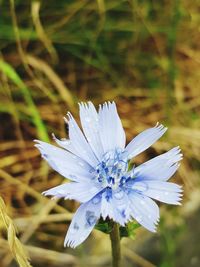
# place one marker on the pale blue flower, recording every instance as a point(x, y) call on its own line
point(96, 162)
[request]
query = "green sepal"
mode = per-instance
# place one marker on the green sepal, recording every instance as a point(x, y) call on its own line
point(104, 226)
point(129, 230)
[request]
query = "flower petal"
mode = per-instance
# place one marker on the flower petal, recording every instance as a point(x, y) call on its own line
point(144, 210)
point(90, 123)
point(83, 222)
point(111, 131)
point(81, 192)
point(67, 164)
point(144, 140)
point(106, 206)
point(64, 143)
point(80, 146)
point(114, 205)
point(163, 191)
point(121, 207)
point(161, 167)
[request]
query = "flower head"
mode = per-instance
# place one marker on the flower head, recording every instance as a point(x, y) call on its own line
point(97, 163)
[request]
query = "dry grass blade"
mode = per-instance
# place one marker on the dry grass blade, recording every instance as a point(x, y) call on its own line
point(53, 77)
point(15, 245)
point(136, 258)
point(35, 8)
point(30, 190)
point(41, 255)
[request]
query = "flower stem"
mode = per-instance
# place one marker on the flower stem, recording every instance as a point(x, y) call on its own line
point(115, 243)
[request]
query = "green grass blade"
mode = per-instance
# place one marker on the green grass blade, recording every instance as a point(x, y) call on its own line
point(9, 71)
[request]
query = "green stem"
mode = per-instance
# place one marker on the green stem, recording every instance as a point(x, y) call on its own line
point(115, 244)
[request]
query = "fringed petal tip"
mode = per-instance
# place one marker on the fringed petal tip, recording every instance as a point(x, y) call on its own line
point(107, 104)
point(52, 192)
point(85, 104)
point(175, 154)
point(46, 194)
point(65, 120)
point(82, 224)
point(72, 243)
point(160, 126)
point(144, 140)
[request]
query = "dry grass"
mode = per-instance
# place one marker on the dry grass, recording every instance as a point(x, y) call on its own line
point(54, 55)
point(14, 244)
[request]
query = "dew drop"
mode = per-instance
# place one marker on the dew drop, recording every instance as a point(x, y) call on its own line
point(119, 194)
point(140, 186)
point(81, 163)
point(96, 200)
point(91, 170)
point(166, 193)
point(142, 202)
point(88, 119)
point(67, 142)
point(149, 216)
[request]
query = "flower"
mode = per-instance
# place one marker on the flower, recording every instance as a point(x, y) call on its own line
point(97, 163)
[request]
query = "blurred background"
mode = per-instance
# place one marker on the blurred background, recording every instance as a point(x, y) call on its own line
point(142, 54)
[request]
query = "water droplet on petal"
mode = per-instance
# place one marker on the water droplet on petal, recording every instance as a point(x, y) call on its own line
point(96, 200)
point(166, 193)
point(91, 170)
point(66, 142)
point(142, 202)
point(149, 216)
point(140, 186)
point(81, 163)
point(119, 194)
point(87, 119)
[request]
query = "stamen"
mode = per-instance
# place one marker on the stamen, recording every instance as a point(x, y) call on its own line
point(112, 171)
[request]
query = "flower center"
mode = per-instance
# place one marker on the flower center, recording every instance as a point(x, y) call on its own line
point(111, 172)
